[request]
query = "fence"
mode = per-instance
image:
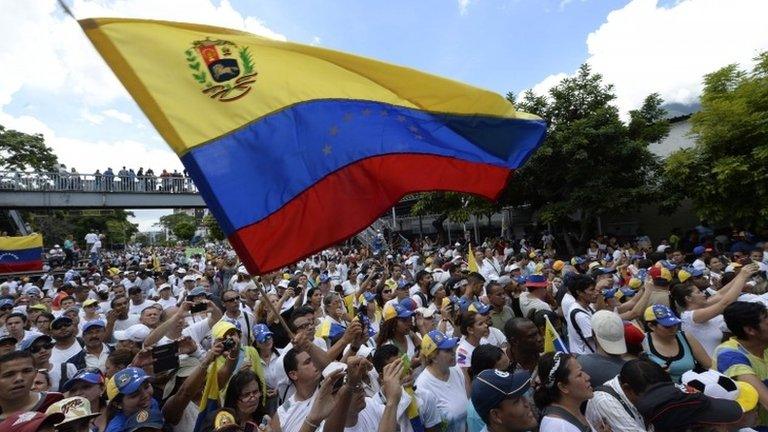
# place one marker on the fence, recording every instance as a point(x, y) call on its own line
point(71, 182)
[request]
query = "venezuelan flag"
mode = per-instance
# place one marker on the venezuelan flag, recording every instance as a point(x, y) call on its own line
point(19, 254)
point(295, 148)
point(552, 340)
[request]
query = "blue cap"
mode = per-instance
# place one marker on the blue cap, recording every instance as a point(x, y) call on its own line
point(605, 270)
point(608, 258)
point(662, 314)
point(402, 283)
point(369, 296)
point(261, 333)
point(536, 281)
point(578, 260)
point(30, 338)
point(403, 312)
point(129, 380)
point(437, 340)
point(6, 302)
point(610, 293)
point(628, 292)
point(324, 278)
point(197, 291)
point(520, 280)
point(669, 265)
point(491, 387)
point(694, 272)
point(8, 338)
point(479, 308)
point(93, 323)
point(89, 375)
point(698, 250)
point(409, 304)
point(336, 331)
point(149, 419)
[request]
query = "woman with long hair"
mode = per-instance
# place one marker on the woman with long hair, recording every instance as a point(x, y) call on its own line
point(264, 343)
point(42, 382)
point(397, 330)
point(701, 316)
point(668, 346)
point(562, 388)
point(244, 398)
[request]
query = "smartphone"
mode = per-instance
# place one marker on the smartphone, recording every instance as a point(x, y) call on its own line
point(165, 357)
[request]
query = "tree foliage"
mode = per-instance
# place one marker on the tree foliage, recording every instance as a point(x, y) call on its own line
point(170, 221)
point(184, 230)
point(55, 225)
point(20, 151)
point(725, 172)
point(214, 230)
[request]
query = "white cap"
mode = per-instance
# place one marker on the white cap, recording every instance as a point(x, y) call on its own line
point(663, 248)
point(135, 333)
point(283, 283)
point(425, 312)
point(242, 270)
point(162, 287)
point(188, 278)
point(181, 270)
point(609, 332)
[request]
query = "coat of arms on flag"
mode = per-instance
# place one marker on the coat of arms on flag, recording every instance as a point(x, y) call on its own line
point(225, 70)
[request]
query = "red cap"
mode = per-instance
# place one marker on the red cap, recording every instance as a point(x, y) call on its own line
point(30, 421)
point(632, 334)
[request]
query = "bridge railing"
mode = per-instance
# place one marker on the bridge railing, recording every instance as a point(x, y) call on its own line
point(71, 182)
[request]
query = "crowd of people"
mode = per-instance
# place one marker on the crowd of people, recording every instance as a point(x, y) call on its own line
point(122, 180)
point(504, 336)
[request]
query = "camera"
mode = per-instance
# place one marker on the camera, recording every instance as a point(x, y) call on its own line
point(229, 344)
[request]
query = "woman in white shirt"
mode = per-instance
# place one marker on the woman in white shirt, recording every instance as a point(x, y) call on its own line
point(563, 388)
point(702, 317)
point(442, 382)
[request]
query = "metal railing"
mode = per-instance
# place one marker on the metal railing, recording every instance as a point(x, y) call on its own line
point(76, 182)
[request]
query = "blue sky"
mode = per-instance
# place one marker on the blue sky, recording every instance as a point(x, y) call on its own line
point(54, 83)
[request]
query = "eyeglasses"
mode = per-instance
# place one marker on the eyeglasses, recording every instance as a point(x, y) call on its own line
point(37, 348)
point(230, 300)
point(250, 396)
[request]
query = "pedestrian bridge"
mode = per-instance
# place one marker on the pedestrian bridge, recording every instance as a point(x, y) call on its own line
point(35, 190)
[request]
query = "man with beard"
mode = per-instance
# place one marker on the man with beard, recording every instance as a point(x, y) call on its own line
point(67, 346)
point(17, 372)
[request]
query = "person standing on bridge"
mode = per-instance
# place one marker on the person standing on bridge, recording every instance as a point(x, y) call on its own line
point(109, 178)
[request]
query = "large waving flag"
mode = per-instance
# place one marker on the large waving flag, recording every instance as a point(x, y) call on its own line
point(552, 340)
point(20, 254)
point(295, 148)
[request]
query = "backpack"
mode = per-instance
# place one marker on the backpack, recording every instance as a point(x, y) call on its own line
point(615, 394)
point(567, 416)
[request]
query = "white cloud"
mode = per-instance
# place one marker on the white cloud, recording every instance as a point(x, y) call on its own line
point(118, 115)
point(542, 88)
point(644, 48)
point(316, 41)
point(463, 5)
point(90, 117)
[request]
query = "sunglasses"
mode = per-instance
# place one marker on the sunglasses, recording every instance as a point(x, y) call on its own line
point(58, 326)
point(37, 348)
point(230, 300)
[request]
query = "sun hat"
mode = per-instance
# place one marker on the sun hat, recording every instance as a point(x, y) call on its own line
point(74, 408)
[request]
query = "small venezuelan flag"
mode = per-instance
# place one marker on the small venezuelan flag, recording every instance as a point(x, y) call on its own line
point(552, 340)
point(295, 148)
point(20, 254)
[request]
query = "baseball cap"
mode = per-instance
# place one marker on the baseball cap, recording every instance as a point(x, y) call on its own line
point(150, 419)
point(425, 312)
point(73, 408)
point(632, 334)
point(163, 286)
point(197, 291)
point(324, 278)
point(659, 273)
point(221, 328)
point(5, 338)
point(33, 290)
point(181, 270)
point(89, 375)
point(609, 332)
point(126, 381)
point(635, 283)
point(134, 333)
point(716, 385)
point(261, 333)
point(93, 323)
point(369, 296)
point(90, 302)
point(409, 304)
point(669, 407)
point(536, 281)
point(662, 314)
point(30, 338)
point(479, 308)
point(558, 265)
point(395, 311)
point(436, 340)
point(188, 278)
point(689, 272)
point(29, 421)
point(492, 386)
point(698, 250)
point(6, 302)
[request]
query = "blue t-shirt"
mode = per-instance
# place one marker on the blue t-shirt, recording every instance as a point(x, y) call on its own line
point(117, 424)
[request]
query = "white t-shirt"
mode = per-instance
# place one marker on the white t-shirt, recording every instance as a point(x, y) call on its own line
point(584, 321)
point(55, 374)
point(495, 337)
point(709, 333)
point(124, 324)
point(556, 424)
point(292, 413)
point(136, 309)
point(427, 410)
point(62, 355)
point(450, 397)
point(568, 301)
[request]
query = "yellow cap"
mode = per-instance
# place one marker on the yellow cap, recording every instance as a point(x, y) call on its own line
point(558, 265)
point(683, 275)
point(748, 397)
point(221, 328)
point(635, 283)
point(111, 388)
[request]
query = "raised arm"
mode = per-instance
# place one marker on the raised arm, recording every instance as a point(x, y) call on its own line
point(730, 293)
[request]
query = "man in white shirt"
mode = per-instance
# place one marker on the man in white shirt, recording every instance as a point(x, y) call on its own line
point(233, 313)
point(90, 239)
point(96, 351)
point(490, 267)
point(580, 336)
point(165, 300)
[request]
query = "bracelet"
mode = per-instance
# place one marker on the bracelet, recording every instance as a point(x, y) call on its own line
point(312, 425)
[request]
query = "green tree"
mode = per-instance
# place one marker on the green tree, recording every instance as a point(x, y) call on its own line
point(55, 225)
point(184, 231)
point(20, 151)
point(724, 173)
point(170, 221)
point(591, 163)
point(214, 230)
